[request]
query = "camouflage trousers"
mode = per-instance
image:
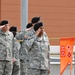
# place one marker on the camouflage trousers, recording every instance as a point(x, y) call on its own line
point(24, 67)
point(16, 68)
point(37, 72)
point(5, 67)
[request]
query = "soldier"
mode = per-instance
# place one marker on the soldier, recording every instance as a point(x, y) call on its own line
point(6, 46)
point(39, 52)
point(24, 52)
point(24, 56)
point(16, 59)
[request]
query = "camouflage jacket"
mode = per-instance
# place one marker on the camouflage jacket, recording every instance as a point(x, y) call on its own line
point(21, 35)
point(24, 50)
point(16, 49)
point(6, 45)
point(39, 52)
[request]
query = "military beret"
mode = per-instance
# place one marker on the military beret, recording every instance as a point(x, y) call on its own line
point(38, 25)
point(3, 22)
point(29, 25)
point(35, 19)
point(13, 29)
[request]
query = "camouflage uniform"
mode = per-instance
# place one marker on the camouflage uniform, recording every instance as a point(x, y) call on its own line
point(24, 60)
point(37, 72)
point(39, 51)
point(20, 36)
point(16, 64)
point(6, 46)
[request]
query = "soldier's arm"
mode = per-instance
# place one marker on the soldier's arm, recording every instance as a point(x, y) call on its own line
point(19, 36)
point(13, 50)
point(29, 41)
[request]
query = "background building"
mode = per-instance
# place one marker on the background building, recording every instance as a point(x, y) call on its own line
point(58, 17)
point(11, 10)
point(16, 11)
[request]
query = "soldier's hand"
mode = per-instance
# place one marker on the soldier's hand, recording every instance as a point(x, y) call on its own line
point(48, 71)
point(37, 32)
point(25, 36)
point(13, 60)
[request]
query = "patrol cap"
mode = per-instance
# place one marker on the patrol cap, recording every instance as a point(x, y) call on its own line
point(13, 28)
point(35, 19)
point(3, 22)
point(29, 25)
point(38, 25)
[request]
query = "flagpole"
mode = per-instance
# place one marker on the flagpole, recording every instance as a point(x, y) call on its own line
point(71, 72)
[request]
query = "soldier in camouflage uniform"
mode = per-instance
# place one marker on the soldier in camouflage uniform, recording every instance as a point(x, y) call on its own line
point(16, 60)
point(6, 46)
point(39, 52)
point(24, 52)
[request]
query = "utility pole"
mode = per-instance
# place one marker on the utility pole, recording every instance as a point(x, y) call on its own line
point(24, 14)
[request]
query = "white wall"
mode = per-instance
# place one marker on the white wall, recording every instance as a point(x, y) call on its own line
point(55, 66)
point(55, 70)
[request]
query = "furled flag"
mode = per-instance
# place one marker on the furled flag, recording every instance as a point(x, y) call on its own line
point(66, 51)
